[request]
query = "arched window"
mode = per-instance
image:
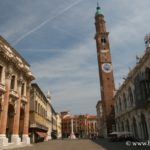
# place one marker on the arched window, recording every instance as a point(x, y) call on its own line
point(39, 108)
point(12, 85)
point(36, 106)
point(22, 89)
point(147, 74)
point(1, 73)
point(0, 103)
point(130, 96)
point(120, 107)
point(124, 100)
point(127, 125)
point(116, 107)
point(122, 126)
point(146, 89)
point(103, 40)
point(42, 111)
point(135, 127)
point(144, 127)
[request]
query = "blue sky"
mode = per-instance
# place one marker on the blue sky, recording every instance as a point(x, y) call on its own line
point(56, 37)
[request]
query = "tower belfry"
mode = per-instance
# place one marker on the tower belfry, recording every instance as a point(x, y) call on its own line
point(105, 71)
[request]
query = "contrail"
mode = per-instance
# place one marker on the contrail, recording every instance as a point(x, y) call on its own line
point(45, 22)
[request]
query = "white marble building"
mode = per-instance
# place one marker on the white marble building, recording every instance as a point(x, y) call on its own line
point(132, 100)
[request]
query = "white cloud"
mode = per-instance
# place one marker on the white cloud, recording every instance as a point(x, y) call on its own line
point(71, 77)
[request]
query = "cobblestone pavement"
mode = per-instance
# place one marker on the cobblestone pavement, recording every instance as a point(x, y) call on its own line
point(63, 145)
point(100, 144)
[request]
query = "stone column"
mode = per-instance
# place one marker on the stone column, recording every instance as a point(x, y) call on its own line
point(15, 135)
point(3, 139)
point(26, 138)
point(72, 136)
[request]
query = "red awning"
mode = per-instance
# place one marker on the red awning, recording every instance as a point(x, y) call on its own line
point(41, 134)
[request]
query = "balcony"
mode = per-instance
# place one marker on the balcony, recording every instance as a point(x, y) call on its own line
point(13, 93)
point(2, 87)
point(24, 99)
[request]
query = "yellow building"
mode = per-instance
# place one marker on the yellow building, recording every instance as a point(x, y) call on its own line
point(40, 115)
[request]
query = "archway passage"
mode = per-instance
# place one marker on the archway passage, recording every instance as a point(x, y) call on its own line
point(21, 123)
point(127, 125)
point(144, 127)
point(10, 121)
point(135, 128)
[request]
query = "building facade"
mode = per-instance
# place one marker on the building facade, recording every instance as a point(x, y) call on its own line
point(54, 124)
point(84, 126)
point(59, 133)
point(40, 116)
point(15, 80)
point(132, 99)
point(107, 87)
point(92, 126)
point(99, 111)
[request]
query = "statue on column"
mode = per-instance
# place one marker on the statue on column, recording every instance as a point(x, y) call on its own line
point(72, 135)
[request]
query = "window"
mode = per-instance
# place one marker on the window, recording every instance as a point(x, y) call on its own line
point(103, 40)
point(0, 104)
point(125, 101)
point(146, 87)
point(130, 96)
point(12, 85)
point(22, 89)
point(116, 107)
point(127, 125)
point(1, 73)
point(120, 104)
point(36, 106)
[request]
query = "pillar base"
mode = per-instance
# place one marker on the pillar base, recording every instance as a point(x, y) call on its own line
point(72, 136)
point(3, 140)
point(25, 139)
point(15, 139)
point(49, 137)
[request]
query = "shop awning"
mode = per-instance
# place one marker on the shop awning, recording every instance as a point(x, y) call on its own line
point(41, 134)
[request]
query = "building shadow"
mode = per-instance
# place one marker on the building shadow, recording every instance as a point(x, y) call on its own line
point(108, 145)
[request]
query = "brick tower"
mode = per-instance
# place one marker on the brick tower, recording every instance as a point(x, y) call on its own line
point(105, 72)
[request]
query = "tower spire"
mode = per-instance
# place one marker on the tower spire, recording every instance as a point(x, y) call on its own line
point(98, 10)
point(97, 4)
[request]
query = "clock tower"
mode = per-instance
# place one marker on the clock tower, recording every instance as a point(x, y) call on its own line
point(105, 72)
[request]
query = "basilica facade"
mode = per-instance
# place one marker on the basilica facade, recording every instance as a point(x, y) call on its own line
point(15, 80)
point(132, 99)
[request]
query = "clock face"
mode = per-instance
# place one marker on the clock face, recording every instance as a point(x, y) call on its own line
point(106, 67)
